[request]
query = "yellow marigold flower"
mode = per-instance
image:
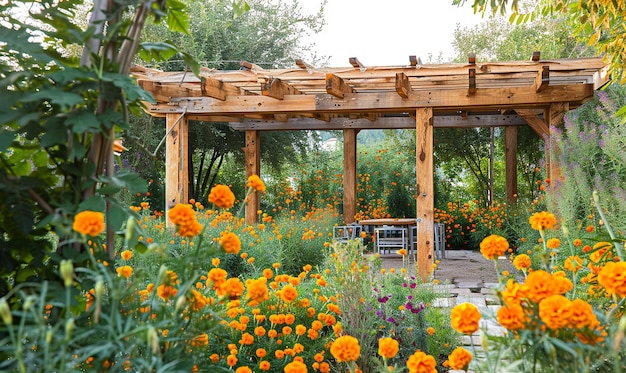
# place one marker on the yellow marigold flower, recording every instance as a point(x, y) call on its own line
point(430, 330)
point(230, 242)
point(553, 243)
point(613, 278)
point(542, 220)
point(419, 362)
point(388, 347)
point(345, 349)
point(215, 262)
point(221, 196)
point(465, 317)
point(511, 317)
point(191, 230)
point(582, 315)
point(573, 263)
point(124, 271)
point(539, 285)
point(90, 223)
point(460, 359)
point(255, 182)
point(256, 291)
point(295, 367)
point(522, 262)
point(555, 311)
point(493, 246)
point(126, 254)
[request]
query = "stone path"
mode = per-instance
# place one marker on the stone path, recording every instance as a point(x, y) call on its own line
point(462, 279)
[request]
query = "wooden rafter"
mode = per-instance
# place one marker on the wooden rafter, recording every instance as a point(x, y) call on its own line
point(403, 86)
point(543, 78)
point(336, 86)
point(356, 63)
point(276, 88)
point(471, 89)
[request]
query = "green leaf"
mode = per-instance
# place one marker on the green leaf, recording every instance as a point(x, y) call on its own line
point(159, 51)
point(116, 216)
point(93, 203)
point(64, 100)
point(192, 63)
point(6, 139)
point(83, 121)
point(141, 247)
point(240, 7)
point(177, 17)
point(54, 135)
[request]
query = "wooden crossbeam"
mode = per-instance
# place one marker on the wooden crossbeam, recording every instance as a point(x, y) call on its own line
point(276, 88)
point(336, 86)
point(542, 80)
point(415, 61)
point(471, 59)
point(538, 125)
point(403, 86)
point(303, 65)
point(536, 56)
point(356, 63)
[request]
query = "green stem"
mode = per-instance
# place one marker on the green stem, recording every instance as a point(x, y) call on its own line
point(596, 200)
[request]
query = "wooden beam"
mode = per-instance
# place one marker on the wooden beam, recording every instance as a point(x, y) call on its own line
point(415, 61)
point(403, 86)
point(540, 127)
point(253, 167)
point(303, 65)
point(536, 56)
point(324, 122)
point(456, 99)
point(176, 154)
point(424, 172)
point(543, 78)
point(276, 88)
point(555, 115)
point(349, 175)
point(356, 63)
point(510, 136)
point(336, 86)
point(471, 89)
point(210, 87)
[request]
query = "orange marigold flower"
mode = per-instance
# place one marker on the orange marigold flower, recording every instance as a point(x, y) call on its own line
point(493, 246)
point(243, 370)
point(233, 288)
point(613, 278)
point(295, 367)
point(460, 359)
point(562, 283)
point(200, 340)
point(221, 196)
point(124, 271)
point(345, 348)
point(288, 293)
point(577, 242)
point(465, 318)
point(522, 262)
point(165, 292)
point(231, 360)
point(255, 182)
point(555, 311)
point(573, 263)
point(599, 251)
point(230, 242)
point(511, 317)
point(419, 362)
point(430, 330)
point(90, 223)
point(264, 365)
point(553, 243)
point(539, 285)
point(182, 214)
point(126, 254)
point(256, 291)
point(542, 220)
point(388, 347)
point(582, 315)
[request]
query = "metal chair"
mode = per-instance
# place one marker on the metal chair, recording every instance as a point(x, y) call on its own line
point(440, 240)
point(345, 233)
point(389, 238)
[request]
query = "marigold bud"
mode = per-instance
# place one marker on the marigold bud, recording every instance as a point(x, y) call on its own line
point(69, 328)
point(5, 312)
point(67, 272)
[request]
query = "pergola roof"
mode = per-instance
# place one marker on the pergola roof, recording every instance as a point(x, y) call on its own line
point(305, 97)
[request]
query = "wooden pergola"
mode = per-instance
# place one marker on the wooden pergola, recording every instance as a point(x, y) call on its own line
point(416, 96)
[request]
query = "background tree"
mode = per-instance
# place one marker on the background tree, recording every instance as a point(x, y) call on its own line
point(270, 35)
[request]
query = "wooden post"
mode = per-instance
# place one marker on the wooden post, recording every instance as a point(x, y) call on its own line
point(253, 167)
point(554, 117)
point(176, 153)
point(424, 172)
point(511, 164)
point(349, 175)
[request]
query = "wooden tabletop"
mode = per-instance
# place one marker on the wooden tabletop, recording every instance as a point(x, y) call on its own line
point(389, 221)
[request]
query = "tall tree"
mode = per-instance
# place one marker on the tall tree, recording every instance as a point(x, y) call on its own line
point(270, 35)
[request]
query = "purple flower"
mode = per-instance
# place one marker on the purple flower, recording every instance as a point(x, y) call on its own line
point(413, 285)
point(410, 297)
point(383, 299)
point(404, 285)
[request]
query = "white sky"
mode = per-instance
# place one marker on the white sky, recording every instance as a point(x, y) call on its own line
point(387, 32)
